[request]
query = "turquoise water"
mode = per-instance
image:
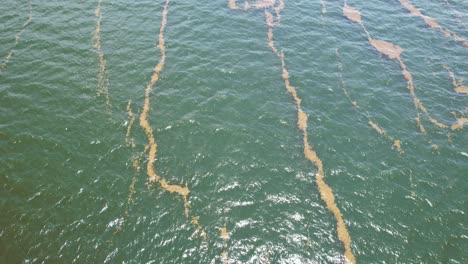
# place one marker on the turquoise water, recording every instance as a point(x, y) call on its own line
point(225, 125)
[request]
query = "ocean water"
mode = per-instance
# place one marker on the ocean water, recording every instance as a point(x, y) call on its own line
point(106, 157)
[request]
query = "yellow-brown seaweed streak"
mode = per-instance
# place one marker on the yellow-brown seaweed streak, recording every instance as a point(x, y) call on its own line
point(103, 82)
point(326, 193)
point(131, 116)
point(225, 237)
point(135, 164)
point(432, 23)
point(144, 123)
point(396, 142)
point(135, 160)
point(393, 52)
point(7, 58)
point(459, 87)
point(458, 125)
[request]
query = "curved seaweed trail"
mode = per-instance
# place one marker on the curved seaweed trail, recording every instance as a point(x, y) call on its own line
point(458, 85)
point(326, 193)
point(9, 55)
point(396, 142)
point(129, 140)
point(144, 123)
point(432, 23)
point(393, 52)
point(103, 81)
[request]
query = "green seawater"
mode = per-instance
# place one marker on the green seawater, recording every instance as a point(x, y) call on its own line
point(225, 125)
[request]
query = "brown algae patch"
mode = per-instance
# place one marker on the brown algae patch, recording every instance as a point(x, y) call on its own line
point(458, 84)
point(131, 191)
point(352, 14)
point(263, 4)
point(144, 123)
point(396, 143)
point(269, 19)
point(225, 236)
point(325, 190)
point(343, 85)
point(131, 116)
point(460, 121)
point(232, 4)
point(389, 49)
point(462, 89)
point(103, 82)
point(419, 124)
point(394, 52)
point(199, 229)
point(432, 23)
point(9, 55)
point(459, 124)
point(376, 127)
point(278, 10)
point(269, 22)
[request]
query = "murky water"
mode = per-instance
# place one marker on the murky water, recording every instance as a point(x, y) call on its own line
point(227, 131)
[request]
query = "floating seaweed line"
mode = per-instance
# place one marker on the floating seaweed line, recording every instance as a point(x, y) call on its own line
point(151, 148)
point(326, 193)
point(432, 23)
point(103, 80)
point(396, 142)
point(457, 84)
point(9, 55)
point(393, 52)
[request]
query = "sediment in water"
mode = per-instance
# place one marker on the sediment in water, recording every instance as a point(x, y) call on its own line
point(460, 121)
point(131, 117)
